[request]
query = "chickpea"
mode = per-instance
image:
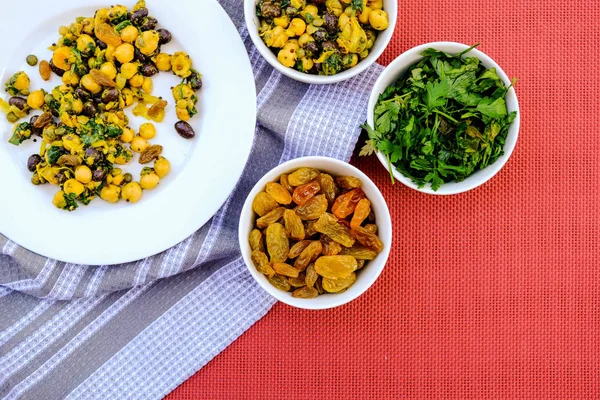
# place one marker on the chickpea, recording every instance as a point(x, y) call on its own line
point(287, 57)
point(149, 181)
point(59, 199)
point(118, 179)
point(77, 106)
point(63, 30)
point(110, 193)
point(83, 174)
point(182, 113)
point(147, 85)
point(21, 82)
point(292, 44)
point(35, 99)
point(282, 21)
point(311, 10)
point(131, 192)
point(88, 25)
point(364, 15)
point(72, 186)
point(296, 28)
point(109, 70)
point(147, 42)
point(88, 83)
point(163, 62)
point(70, 78)
point(139, 144)
point(147, 130)
point(71, 142)
point(349, 60)
point(181, 64)
point(276, 37)
point(305, 38)
point(136, 81)
point(124, 53)
point(375, 4)
point(128, 70)
point(307, 64)
point(334, 7)
point(162, 166)
point(127, 95)
point(298, 4)
point(129, 34)
point(379, 20)
point(127, 135)
point(86, 44)
point(109, 53)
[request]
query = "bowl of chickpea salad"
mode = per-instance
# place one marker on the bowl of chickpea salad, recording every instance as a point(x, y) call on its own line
point(321, 41)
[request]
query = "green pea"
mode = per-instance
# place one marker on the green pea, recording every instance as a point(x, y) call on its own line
point(127, 177)
point(31, 60)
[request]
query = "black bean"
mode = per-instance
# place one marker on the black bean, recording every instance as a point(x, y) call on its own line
point(184, 129)
point(270, 10)
point(98, 175)
point(316, 68)
point(139, 15)
point(318, 3)
point(34, 130)
point(149, 69)
point(330, 45)
point(33, 161)
point(311, 48)
point(56, 70)
point(89, 109)
point(320, 35)
point(149, 24)
point(110, 95)
point(331, 23)
point(18, 102)
point(82, 94)
point(60, 177)
point(138, 55)
point(101, 44)
point(195, 80)
point(291, 11)
point(94, 154)
point(164, 36)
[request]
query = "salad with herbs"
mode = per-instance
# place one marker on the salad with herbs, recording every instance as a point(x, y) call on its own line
point(445, 119)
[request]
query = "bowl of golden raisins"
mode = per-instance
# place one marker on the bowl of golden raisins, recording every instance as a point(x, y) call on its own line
point(315, 232)
point(321, 41)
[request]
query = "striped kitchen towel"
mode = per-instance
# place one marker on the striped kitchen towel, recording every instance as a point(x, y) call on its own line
point(138, 330)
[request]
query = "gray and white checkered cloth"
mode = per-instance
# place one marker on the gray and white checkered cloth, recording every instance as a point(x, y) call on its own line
point(140, 329)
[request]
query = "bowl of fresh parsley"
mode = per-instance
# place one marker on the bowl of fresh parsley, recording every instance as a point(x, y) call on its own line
point(443, 118)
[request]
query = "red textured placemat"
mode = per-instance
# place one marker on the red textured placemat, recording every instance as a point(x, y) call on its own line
point(491, 294)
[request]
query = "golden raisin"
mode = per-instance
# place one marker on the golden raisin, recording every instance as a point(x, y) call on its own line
point(328, 187)
point(298, 248)
point(368, 239)
point(279, 282)
point(371, 228)
point(305, 292)
point(305, 192)
point(330, 226)
point(313, 208)
point(263, 203)
point(345, 204)
point(279, 193)
point(256, 240)
point(293, 225)
point(286, 270)
point(311, 275)
point(330, 247)
point(270, 217)
point(283, 180)
point(335, 267)
point(302, 176)
point(361, 212)
point(359, 252)
point(348, 182)
point(278, 244)
point(308, 255)
point(338, 285)
point(261, 262)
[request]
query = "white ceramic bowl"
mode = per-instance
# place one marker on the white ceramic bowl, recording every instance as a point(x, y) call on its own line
point(383, 38)
point(365, 277)
point(396, 70)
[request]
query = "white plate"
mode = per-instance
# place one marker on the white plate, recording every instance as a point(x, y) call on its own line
point(204, 170)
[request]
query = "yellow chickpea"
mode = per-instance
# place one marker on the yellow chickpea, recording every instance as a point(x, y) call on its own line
point(70, 78)
point(73, 186)
point(127, 95)
point(162, 167)
point(147, 85)
point(298, 4)
point(163, 62)
point(59, 199)
point(109, 70)
point(334, 6)
point(147, 42)
point(282, 21)
point(77, 106)
point(139, 144)
point(118, 179)
point(136, 81)
point(129, 34)
point(110, 193)
point(149, 181)
point(287, 57)
point(124, 53)
point(296, 28)
point(86, 44)
point(304, 39)
point(307, 64)
point(35, 99)
point(311, 10)
point(147, 130)
point(378, 20)
point(131, 192)
point(83, 174)
point(182, 113)
point(375, 4)
point(364, 15)
point(88, 83)
point(127, 135)
point(128, 70)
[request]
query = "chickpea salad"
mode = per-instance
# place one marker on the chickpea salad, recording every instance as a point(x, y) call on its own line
point(321, 37)
point(106, 63)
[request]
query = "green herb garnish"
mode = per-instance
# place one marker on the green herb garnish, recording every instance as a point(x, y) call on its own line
point(445, 119)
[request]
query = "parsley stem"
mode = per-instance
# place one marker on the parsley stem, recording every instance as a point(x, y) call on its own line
point(390, 168)
point(446, 115)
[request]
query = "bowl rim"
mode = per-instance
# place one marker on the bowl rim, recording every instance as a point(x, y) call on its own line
point(412, 56)
point(336, 299)
point(384, 37)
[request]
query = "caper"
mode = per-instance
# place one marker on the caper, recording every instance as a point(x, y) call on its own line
point(127, 177)
point(31, 60)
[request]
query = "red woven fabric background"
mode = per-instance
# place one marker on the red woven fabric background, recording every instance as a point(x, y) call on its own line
point(494, 293)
